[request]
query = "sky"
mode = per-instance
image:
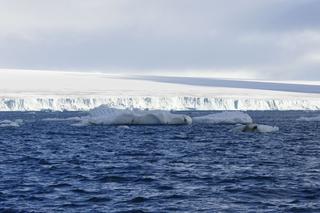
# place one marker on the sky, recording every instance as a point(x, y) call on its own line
point(261, 39)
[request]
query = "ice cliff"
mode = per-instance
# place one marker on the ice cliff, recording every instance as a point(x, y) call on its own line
point(61, 103)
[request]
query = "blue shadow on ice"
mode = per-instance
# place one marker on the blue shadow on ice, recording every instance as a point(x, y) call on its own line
point(212, 82)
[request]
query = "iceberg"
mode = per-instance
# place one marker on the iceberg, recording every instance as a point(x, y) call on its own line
point(224, 118)
point(9, 123)
point(256, 128)
point(315, 118)
point(111, 116)
point(123, 127)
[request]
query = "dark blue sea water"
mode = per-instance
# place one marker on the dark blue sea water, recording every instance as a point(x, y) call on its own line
point(53, 166)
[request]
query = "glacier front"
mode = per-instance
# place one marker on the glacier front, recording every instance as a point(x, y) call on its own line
point(59, 91)
point(149, 102)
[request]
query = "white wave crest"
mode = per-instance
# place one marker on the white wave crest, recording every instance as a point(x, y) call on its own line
point(315, 118)
point(63, 119)
point(9, 123)
point(224, 118)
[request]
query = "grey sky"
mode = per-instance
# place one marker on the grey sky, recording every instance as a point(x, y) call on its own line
point(276, 39)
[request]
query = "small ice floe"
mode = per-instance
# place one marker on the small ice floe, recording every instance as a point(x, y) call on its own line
point(63, 119)
point(123, 127)
point(9, 123)
point(255, 128)
point(224, 118)
point(315, 118)
point(111, 116)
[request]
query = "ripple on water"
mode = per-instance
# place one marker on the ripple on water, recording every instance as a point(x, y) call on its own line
point(54, 166)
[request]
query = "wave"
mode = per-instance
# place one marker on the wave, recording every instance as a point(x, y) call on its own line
point(9, 123)
point(63, 119)
point(315, 118)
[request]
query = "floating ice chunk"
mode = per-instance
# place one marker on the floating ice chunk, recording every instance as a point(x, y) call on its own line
point(111, 116)
point(123, 127)
point(256, 128)
point(9, 123)
point(63, 119)
point(225, 118)
point(315, 118)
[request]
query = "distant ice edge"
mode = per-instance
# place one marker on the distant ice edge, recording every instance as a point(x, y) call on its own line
point(149, 102)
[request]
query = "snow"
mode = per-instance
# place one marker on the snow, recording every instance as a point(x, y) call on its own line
point(224, 118)
point(256, 128)
point(31, 90)
point(111, 116)
point(9, 123)
point(315, 118)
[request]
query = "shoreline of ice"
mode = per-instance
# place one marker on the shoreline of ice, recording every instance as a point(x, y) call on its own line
point(73, 103)
point(37, 90)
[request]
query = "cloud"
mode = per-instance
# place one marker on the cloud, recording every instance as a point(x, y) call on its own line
point(267, 38)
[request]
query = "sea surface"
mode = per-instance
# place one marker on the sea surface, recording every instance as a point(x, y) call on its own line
point(52, 166)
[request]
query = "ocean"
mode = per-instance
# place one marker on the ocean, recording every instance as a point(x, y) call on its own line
point(52, 166)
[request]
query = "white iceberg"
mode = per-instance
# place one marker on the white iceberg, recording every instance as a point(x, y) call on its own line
point(112, 116)
point(123, 127)
point(9, 123)
point(256, 128)
point(224, 118)
point(315, 118)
